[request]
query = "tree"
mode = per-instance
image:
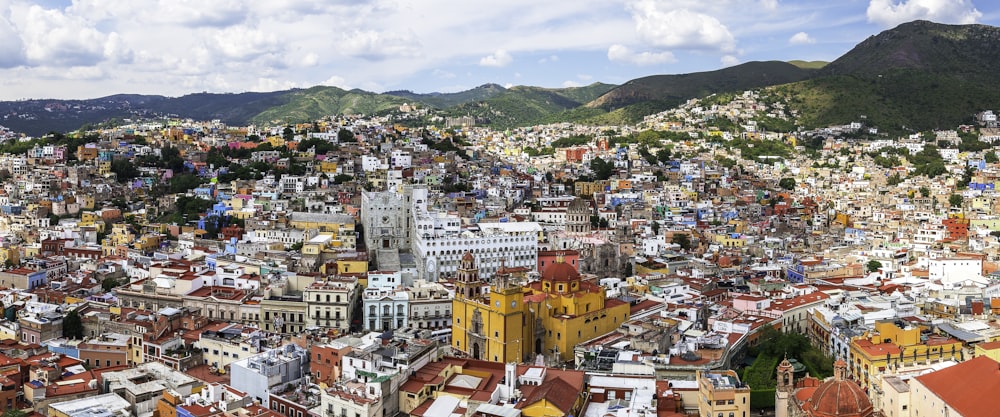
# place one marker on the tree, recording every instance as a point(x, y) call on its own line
point(663, 155)
point(925, 192)
point(873, 265)
point(345, 135)
point(602, 169)
point(656, 227)
point(342, 178)
point(13, 412)
point(955, 200)
point(991, 157)
point(682, 240)
point(787, 183)
point(110, 283)
point(124, 169)
point(72, 326)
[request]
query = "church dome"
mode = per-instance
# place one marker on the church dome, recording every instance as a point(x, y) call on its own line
point(839, 397)
point(560, 272)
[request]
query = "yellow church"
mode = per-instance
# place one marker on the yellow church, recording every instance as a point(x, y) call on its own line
point(505, 321)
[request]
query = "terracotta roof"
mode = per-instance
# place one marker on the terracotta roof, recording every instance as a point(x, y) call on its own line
point(558, 392)
point(644, 305)
point(962, 386)
point(560, 272)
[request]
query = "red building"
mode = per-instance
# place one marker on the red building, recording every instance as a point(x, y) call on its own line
point(957, 229)
point(325, 362)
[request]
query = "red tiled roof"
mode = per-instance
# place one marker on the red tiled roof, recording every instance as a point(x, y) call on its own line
point(643, 306)
point(962, 386)
point(558, 392)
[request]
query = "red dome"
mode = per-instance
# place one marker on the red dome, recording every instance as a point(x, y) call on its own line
point(560, 272)
point(839, 397)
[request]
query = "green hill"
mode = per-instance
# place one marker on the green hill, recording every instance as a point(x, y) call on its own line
point(675, 89)
point(317, 102)
point(917, 76)
point(524, 105)
point(445, 100)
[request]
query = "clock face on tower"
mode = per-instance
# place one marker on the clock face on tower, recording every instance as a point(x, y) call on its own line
point(498, 303)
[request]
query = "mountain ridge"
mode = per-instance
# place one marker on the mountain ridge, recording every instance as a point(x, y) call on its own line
point(917, 75)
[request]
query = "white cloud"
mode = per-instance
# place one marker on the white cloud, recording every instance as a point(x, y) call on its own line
point(11, 48)
point(551, 58)
point(801, 38)
point(500, 58)
point(270, 84)
point(769, 4)
point(336, 81)
point(729, 60)
point(570, 84)
point(889, 13)
point(442, 74)
point(622, 53)
point(244, 43)
point(374, 45)
point(310, 60)
point(663, 25)
point(199, 13)
point(53, 38)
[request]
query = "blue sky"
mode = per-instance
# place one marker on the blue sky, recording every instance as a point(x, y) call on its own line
point(94, 48)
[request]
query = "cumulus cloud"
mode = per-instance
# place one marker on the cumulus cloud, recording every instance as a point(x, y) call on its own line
point(500, 58)
point(310, 60)
point(12, 48)
point(270, 84)
point(622, 53)
point(336, 81)
point(200, 13)
point(729, 60)
point(377, 46)
point(663, 25)
point(53, 38)
point(890, 13)
point(801, 38)
point(243, 43)
point(570, 84)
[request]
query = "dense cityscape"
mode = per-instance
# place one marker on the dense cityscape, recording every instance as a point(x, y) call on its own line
point(697, 263)
point(444, 208)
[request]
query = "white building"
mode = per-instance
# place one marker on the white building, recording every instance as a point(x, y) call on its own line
point(440, 241)
point(271, 371)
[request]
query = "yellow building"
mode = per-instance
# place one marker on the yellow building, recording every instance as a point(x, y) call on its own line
point(104, 167)
point(329, 167)
point(722, 394)
point(730, 240)
point(513, 322)
point(10, 255)
point(892, 346)
point(988, 349)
